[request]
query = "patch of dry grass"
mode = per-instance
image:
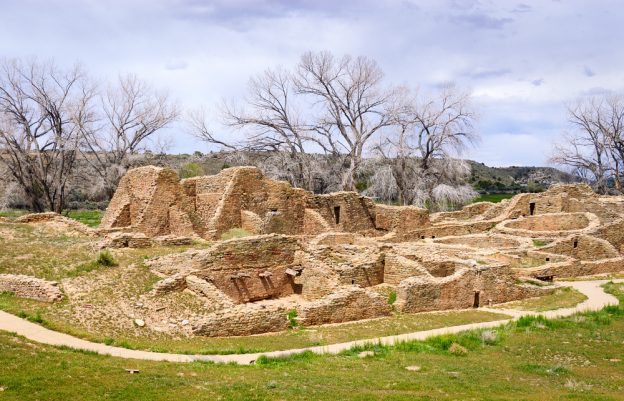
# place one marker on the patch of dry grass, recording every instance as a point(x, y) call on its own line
point(561, 298)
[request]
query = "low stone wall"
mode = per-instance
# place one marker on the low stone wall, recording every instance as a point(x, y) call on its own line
point(464, 289)
point(51, 217)
point(578, 268)
point(177, 282)
point(30, 287)
point(445, 230)
point(139, 240)
point(398, 268)
point(243, 320)
point(343, 306)
point(583, 247)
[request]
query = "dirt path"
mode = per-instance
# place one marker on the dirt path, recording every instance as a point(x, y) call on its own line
point(596, 299)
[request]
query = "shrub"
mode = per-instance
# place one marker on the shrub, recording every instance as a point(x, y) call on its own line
point(105, 258)
point(392, 298)
point(292, 318)
point(191, 169)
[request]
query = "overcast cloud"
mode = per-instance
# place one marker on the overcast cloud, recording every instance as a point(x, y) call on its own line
point(522, 59)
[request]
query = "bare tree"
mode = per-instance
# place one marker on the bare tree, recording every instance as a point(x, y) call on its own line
point(352, 104)
point(594, 150)
point(344, 105)
point(41, 110)
point(271, 123)
point(421, 152)
point(131, 113)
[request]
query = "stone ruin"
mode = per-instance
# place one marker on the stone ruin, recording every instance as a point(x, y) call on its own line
point(338, 257)
point(30, 287)
point(341, 257)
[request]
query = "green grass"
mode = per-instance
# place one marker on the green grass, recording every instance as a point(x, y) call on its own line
point(576, 358)
point(495, 198)
point(104, 259)
point(538, 243)
point(562, 298)
point(13, 213)
point(91, 218)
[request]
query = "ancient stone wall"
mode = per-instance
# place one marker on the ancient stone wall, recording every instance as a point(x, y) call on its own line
point(243, 320)
point(464, 289)
point(153, 201)
point(347, 304)
point(245, 269)
point(612, 232)
point(30, 287)
point(400, 219)
point(345, 211)
point(577, 268)
point(583, 247)
point(56, 219)
point(398, 268)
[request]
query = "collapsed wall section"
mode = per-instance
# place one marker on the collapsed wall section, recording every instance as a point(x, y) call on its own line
point(30, 287)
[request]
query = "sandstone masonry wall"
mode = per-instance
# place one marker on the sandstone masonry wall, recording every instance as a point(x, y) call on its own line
point(30, 287)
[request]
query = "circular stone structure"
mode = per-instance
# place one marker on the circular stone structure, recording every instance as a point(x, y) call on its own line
point(482, 241)
point(550, 224)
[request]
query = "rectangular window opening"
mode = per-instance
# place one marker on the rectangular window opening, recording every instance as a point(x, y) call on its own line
point(337, 214)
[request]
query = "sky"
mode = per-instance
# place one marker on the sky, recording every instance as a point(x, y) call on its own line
point(522, 60)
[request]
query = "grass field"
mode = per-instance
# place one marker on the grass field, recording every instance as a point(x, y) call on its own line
point(492, 198)
point(577, 358)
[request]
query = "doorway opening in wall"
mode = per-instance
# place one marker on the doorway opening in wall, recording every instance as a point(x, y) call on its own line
point(575, 244)
point(337, 214)
point(531, 208)
point(476, 302)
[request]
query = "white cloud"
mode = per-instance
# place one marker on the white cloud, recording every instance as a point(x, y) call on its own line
point(522, 59)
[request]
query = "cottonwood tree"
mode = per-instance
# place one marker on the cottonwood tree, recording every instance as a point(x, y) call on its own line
point(328, 105)
point(130, 113)
point(41, 110)
point(594, 149)
point(421, 154)
point(352, 104)
point(272, 123)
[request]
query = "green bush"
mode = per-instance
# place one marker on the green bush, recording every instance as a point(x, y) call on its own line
point(105, 258)
point(392, 298)
point(191, 169)
point(292, 318)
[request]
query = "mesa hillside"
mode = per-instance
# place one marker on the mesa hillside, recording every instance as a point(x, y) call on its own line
point(319, 259)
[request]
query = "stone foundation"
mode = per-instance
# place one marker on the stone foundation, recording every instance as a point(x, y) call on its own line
point(30, 287)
